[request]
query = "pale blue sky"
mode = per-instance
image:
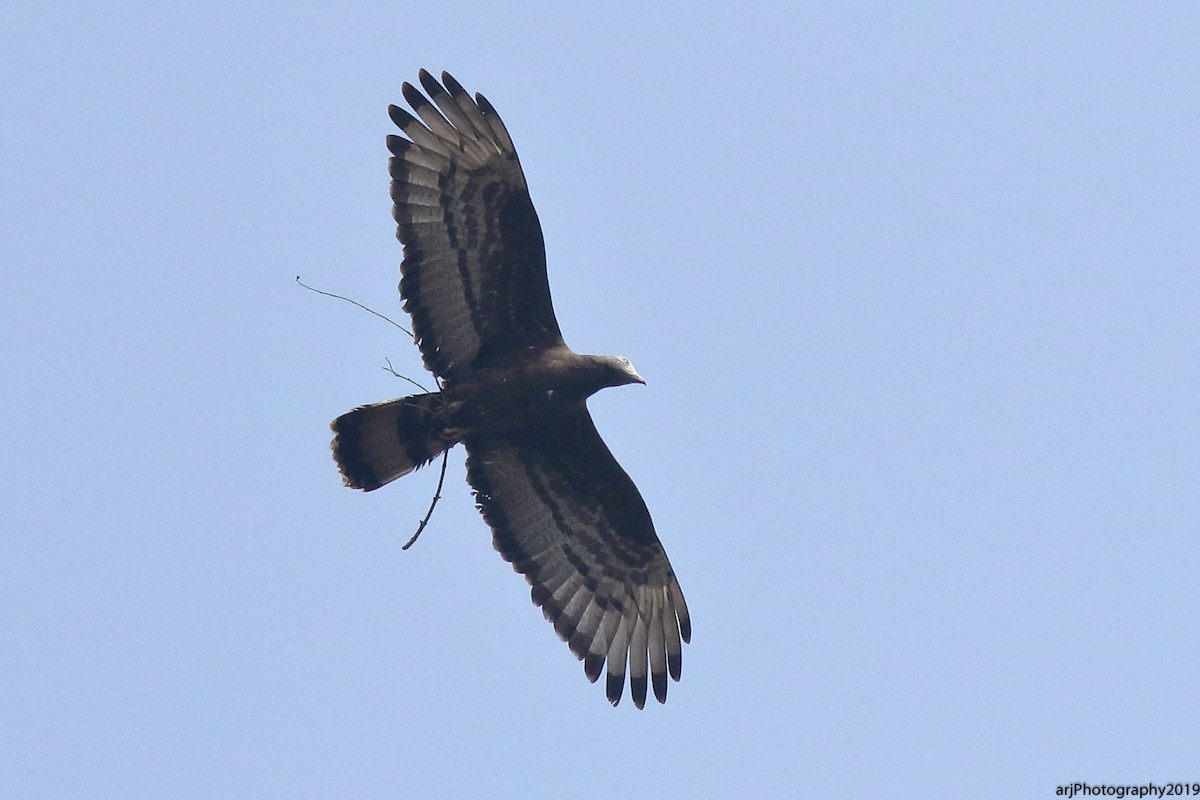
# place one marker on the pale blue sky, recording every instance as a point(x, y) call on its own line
point(916, 291)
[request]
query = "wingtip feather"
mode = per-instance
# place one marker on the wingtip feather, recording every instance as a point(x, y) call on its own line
point(399, 116)
point(659, 681)
point(452, 86)
point(637, 690)
point(413, 95)
point(614, 686)
point(593, 665)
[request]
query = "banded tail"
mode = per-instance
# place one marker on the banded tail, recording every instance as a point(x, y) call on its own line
point(376, 444)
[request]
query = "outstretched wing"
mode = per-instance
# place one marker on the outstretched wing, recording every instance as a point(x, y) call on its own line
point(474, 270)
point(570, 519)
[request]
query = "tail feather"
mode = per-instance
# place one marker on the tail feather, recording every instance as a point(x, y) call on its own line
point(376, 444)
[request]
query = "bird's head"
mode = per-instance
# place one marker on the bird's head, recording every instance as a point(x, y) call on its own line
point(622, 371)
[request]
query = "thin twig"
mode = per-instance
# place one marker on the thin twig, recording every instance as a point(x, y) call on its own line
point(437, 495)
point(354, 302)
point(391, 369)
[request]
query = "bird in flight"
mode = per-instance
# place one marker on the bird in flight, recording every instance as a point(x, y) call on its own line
point(561, 509)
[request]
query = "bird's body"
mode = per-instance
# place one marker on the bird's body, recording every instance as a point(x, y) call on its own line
point(560, 507)
point(525, 391)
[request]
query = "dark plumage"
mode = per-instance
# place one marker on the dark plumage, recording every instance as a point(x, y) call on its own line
point(560, 507)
